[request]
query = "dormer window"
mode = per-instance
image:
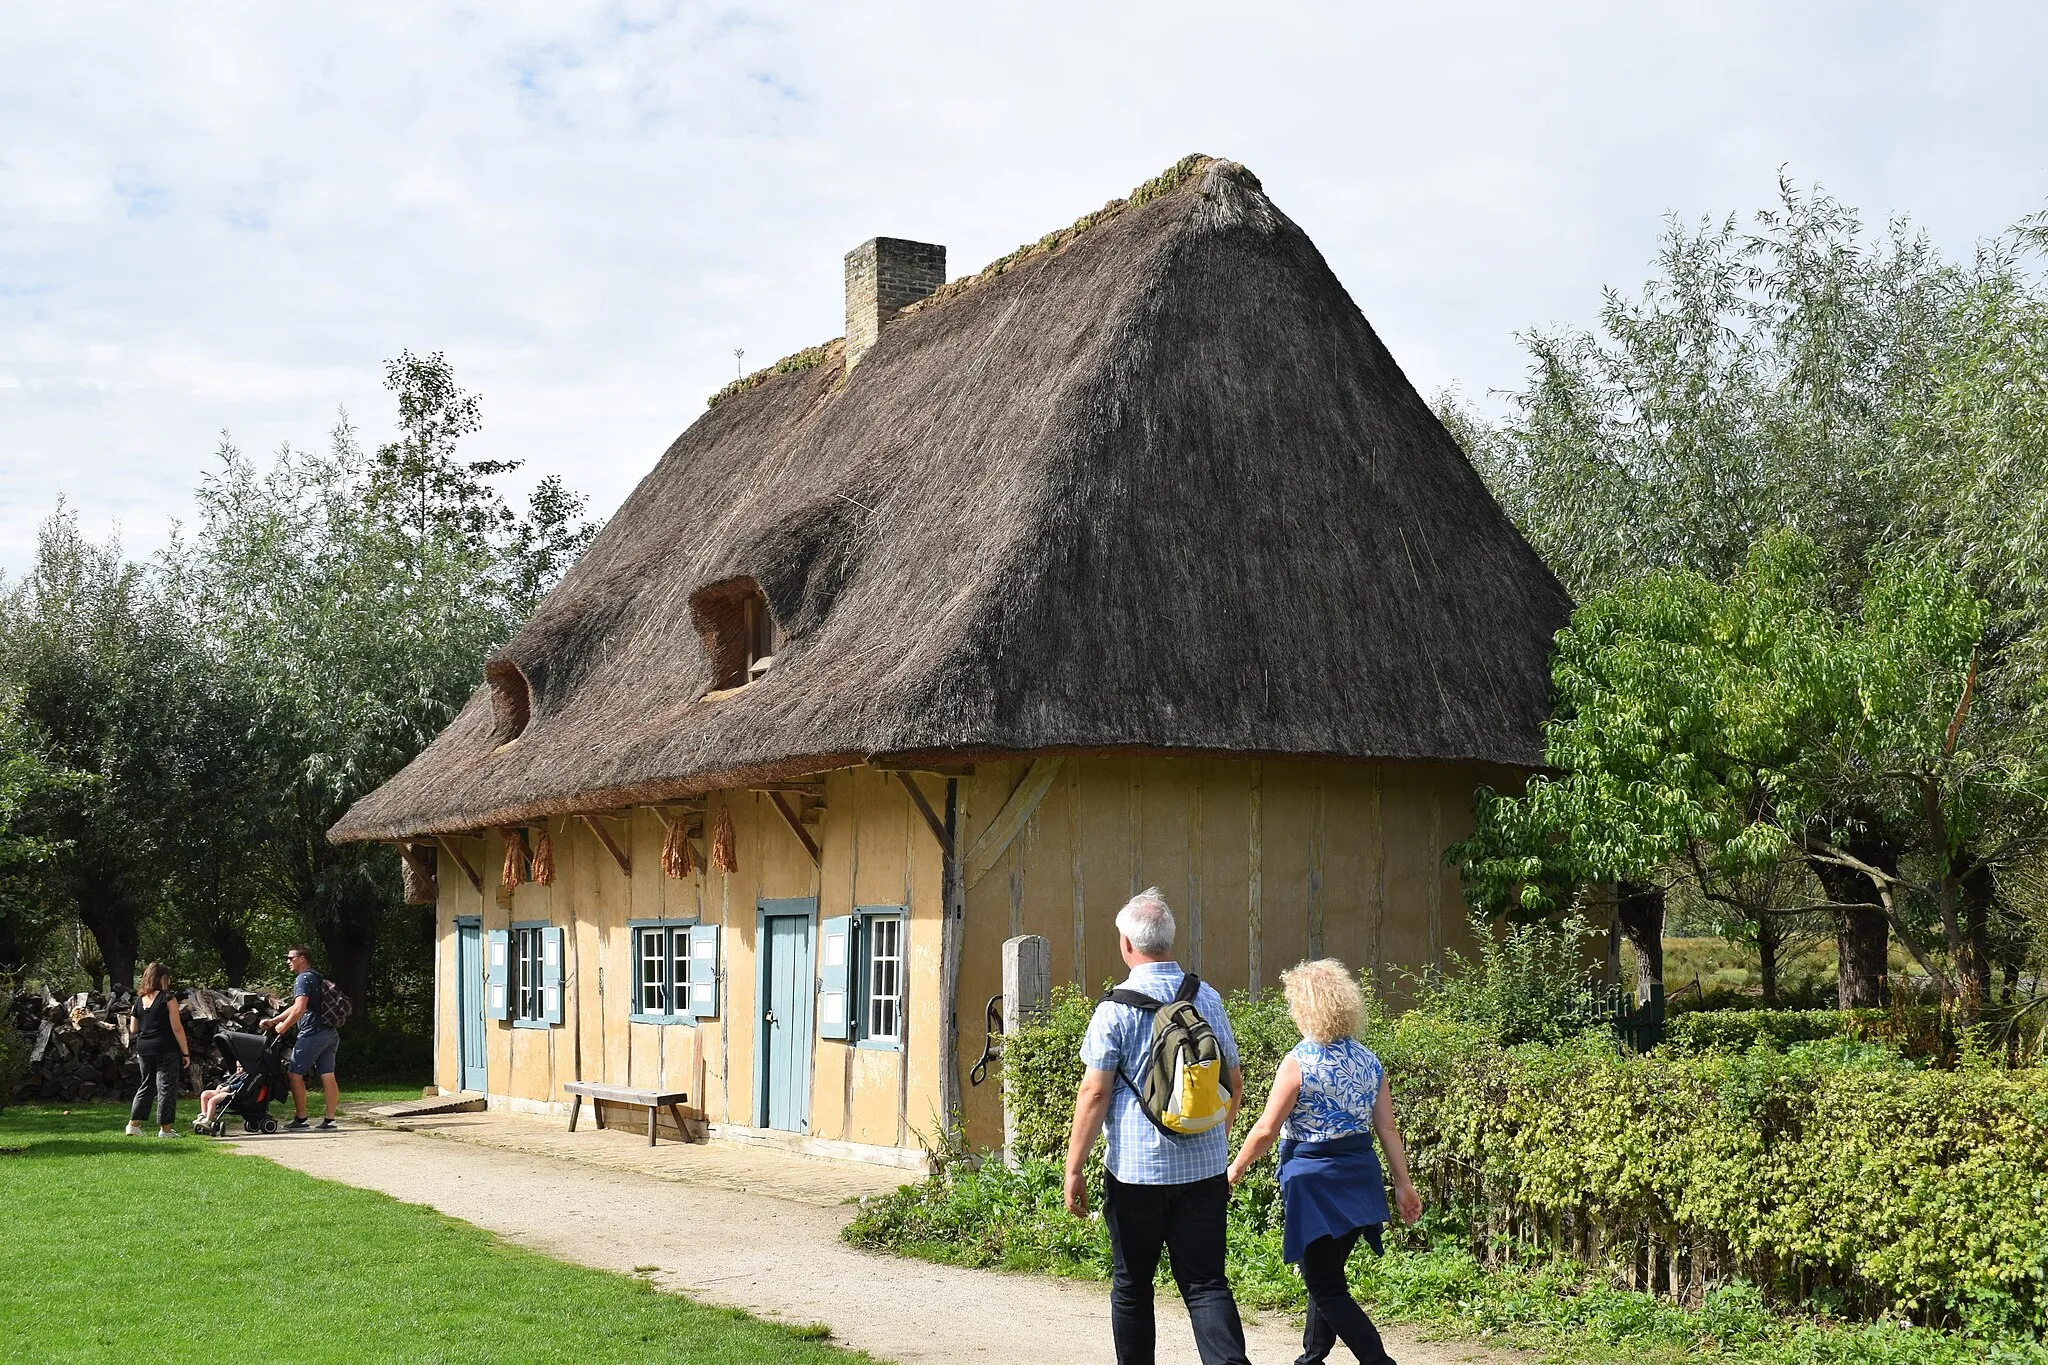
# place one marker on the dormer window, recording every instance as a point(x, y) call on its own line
point(740, 633)
point(511, 700)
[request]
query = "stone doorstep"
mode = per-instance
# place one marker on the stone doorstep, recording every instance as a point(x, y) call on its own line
point(775, 1171)
point(466, 1102)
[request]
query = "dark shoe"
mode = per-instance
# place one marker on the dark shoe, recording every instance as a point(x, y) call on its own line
point(327, 1126)
point(297, 1126)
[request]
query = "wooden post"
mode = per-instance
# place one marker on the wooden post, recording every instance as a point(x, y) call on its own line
point(1254, 934)
point(1027, 994)
point(952, 928)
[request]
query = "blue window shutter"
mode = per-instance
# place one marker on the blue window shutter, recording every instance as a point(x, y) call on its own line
point(704, 971)
point(835, 963)
point(497, 974)
point(551, 957)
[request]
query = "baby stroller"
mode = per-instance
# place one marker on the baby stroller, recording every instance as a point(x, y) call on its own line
point(262, 1080)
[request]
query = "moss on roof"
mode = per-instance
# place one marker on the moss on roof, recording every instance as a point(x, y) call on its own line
point(1166, 182)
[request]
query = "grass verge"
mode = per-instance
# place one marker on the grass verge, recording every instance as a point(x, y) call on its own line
point(997, 1217)
point(133, 1248)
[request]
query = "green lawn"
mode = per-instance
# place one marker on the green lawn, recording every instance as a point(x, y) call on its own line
point(117, 1248)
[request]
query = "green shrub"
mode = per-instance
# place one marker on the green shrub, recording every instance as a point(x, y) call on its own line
point(1530, 983)
point(1912, 1031)
point(1828, 1170)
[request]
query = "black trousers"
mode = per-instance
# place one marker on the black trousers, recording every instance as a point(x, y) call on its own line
point(1187, 1221)
point(163, 1076)
point(1333, 1315)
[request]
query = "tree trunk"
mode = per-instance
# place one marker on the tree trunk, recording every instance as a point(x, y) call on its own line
point(16, 949)
point(1639, 910)
point(1979, 887)
point(1862, 934)
point(233, 947)
point(114, 929)
point(1768, 939)
point(350, 945)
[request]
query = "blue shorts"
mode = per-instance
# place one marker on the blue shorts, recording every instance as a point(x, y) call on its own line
point(313, 1053)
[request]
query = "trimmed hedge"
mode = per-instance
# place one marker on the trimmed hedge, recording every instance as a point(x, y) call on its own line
point(1833, 1173)
point(1914, 1031)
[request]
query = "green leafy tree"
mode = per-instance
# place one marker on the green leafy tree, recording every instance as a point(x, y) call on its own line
point(1720, 731)
point(104, 679)
point(354, 597)
point(1758, 381)
point(1803, 371)
point(27, 781)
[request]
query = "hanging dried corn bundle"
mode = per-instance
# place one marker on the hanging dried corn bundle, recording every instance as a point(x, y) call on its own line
point(725, 844)
point(677, 858)
point(416, 862)
point(543, 859)
point(514, 871)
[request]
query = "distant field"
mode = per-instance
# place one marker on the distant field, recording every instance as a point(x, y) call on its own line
point(1807, 972)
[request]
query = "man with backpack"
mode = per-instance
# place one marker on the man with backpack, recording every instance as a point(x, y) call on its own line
point(315, 1008)
point(1163, 1075)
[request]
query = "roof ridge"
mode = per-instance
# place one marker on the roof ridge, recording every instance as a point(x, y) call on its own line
point(1166, 182)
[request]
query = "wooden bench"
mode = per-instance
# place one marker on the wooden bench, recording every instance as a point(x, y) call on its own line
point(654, 1102)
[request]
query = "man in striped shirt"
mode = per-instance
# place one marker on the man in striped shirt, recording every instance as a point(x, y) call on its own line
point(1162, 1190)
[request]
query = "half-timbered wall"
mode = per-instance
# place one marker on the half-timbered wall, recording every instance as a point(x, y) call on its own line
point(1264, 864)
point(875, 850)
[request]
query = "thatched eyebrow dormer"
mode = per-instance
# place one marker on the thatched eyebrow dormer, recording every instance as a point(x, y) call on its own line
point(740, 633)
point(1151, 484)
point(511, 700)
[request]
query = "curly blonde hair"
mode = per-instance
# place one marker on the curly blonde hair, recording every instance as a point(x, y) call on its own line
point(1324, 998)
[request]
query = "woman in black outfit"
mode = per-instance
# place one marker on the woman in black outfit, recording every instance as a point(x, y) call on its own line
point(161, 1048)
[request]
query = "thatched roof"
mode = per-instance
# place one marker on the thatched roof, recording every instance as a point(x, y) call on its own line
point(1152, 485)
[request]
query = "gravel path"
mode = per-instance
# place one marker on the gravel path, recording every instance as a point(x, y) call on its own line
point(773, 1257)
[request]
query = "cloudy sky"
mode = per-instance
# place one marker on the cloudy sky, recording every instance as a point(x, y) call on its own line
point(227, 217)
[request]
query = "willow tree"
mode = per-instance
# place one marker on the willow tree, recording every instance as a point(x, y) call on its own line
point(355, 595)
point(1798, 370)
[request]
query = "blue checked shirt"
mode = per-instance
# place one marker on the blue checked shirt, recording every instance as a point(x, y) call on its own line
point(1118, 1035)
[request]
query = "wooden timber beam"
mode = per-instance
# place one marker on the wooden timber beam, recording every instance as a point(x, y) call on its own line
point(796, 826)
point(937, 769)
point(1002, 831)
point(448, 846)
point(610, 845)
point(924, 807)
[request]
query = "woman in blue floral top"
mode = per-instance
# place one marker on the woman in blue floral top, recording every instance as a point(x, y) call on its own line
point(1329, 1098)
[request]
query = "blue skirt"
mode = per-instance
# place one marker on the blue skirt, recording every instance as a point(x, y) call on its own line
point(1328, 1189)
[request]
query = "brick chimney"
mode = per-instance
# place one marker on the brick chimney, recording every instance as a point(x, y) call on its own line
point(883, 276)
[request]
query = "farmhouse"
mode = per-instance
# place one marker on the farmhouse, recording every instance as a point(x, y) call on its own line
point(1133, 559)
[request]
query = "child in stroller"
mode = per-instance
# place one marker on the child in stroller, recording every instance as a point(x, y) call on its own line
point(211, 1102)
point(259, 1078)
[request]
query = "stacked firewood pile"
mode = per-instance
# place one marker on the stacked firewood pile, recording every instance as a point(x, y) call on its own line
point(82, 1049)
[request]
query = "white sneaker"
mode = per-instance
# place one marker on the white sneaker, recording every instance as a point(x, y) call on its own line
point(166, 1132)
point(134, 1130)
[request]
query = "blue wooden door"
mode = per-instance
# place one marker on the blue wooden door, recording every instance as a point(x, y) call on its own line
point(784, 1042)
point(469, 1001)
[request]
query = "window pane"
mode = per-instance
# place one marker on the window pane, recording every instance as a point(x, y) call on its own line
point(651, 962)
point(885, 978)
point(526, 977)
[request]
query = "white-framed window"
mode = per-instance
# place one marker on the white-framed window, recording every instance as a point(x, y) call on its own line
point(528, 974)
point(881, 953)
point(662, 972)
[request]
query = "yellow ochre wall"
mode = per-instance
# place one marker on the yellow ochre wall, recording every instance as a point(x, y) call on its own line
point(875, 851)
point(1348, 858)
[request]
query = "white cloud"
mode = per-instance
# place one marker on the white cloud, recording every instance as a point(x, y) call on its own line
point(230, 220)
